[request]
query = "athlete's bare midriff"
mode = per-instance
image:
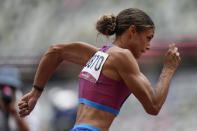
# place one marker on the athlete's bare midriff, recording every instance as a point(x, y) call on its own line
point(95, 117)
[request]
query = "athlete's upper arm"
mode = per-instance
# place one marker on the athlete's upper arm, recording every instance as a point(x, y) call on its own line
point(76, 52)
point(139, 85)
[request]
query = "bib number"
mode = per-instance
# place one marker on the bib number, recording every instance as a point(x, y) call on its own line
point(93, 67)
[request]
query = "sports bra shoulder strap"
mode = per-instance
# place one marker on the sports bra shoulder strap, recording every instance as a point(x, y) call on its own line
point(105, 48)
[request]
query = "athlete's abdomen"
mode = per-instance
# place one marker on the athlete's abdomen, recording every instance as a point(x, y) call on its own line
point(95, 117)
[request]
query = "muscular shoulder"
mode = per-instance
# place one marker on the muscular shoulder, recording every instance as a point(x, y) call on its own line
point(123, 60)
point(121, 56)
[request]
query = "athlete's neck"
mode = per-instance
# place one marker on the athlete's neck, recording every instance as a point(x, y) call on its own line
point(121, 40)
point(119, 43)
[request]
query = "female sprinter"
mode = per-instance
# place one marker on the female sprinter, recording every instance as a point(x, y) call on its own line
point(110, 74)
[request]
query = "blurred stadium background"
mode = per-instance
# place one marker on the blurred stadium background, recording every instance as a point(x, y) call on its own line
point(29, 27)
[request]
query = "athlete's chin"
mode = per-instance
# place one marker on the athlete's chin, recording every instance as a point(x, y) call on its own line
point(137, 56)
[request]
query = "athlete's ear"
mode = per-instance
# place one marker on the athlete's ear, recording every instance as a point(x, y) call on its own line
point(132, 29)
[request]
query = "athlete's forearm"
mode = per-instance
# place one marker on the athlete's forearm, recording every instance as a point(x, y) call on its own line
point(162, 87)
point(47, 66)
point(172, 60)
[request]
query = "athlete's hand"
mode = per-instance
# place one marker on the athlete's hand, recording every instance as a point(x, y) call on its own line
point(28, 102)
point(172, 58)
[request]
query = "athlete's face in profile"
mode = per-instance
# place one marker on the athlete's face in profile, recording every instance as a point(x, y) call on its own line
point(141, 42)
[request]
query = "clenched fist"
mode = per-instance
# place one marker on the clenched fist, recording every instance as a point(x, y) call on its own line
point(172, 58)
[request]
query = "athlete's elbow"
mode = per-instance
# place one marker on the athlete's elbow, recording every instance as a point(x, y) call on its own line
point(153, 110)
point(55, 50)
point(154, 105)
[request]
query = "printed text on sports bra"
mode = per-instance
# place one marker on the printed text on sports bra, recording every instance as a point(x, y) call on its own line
point(93, 67)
